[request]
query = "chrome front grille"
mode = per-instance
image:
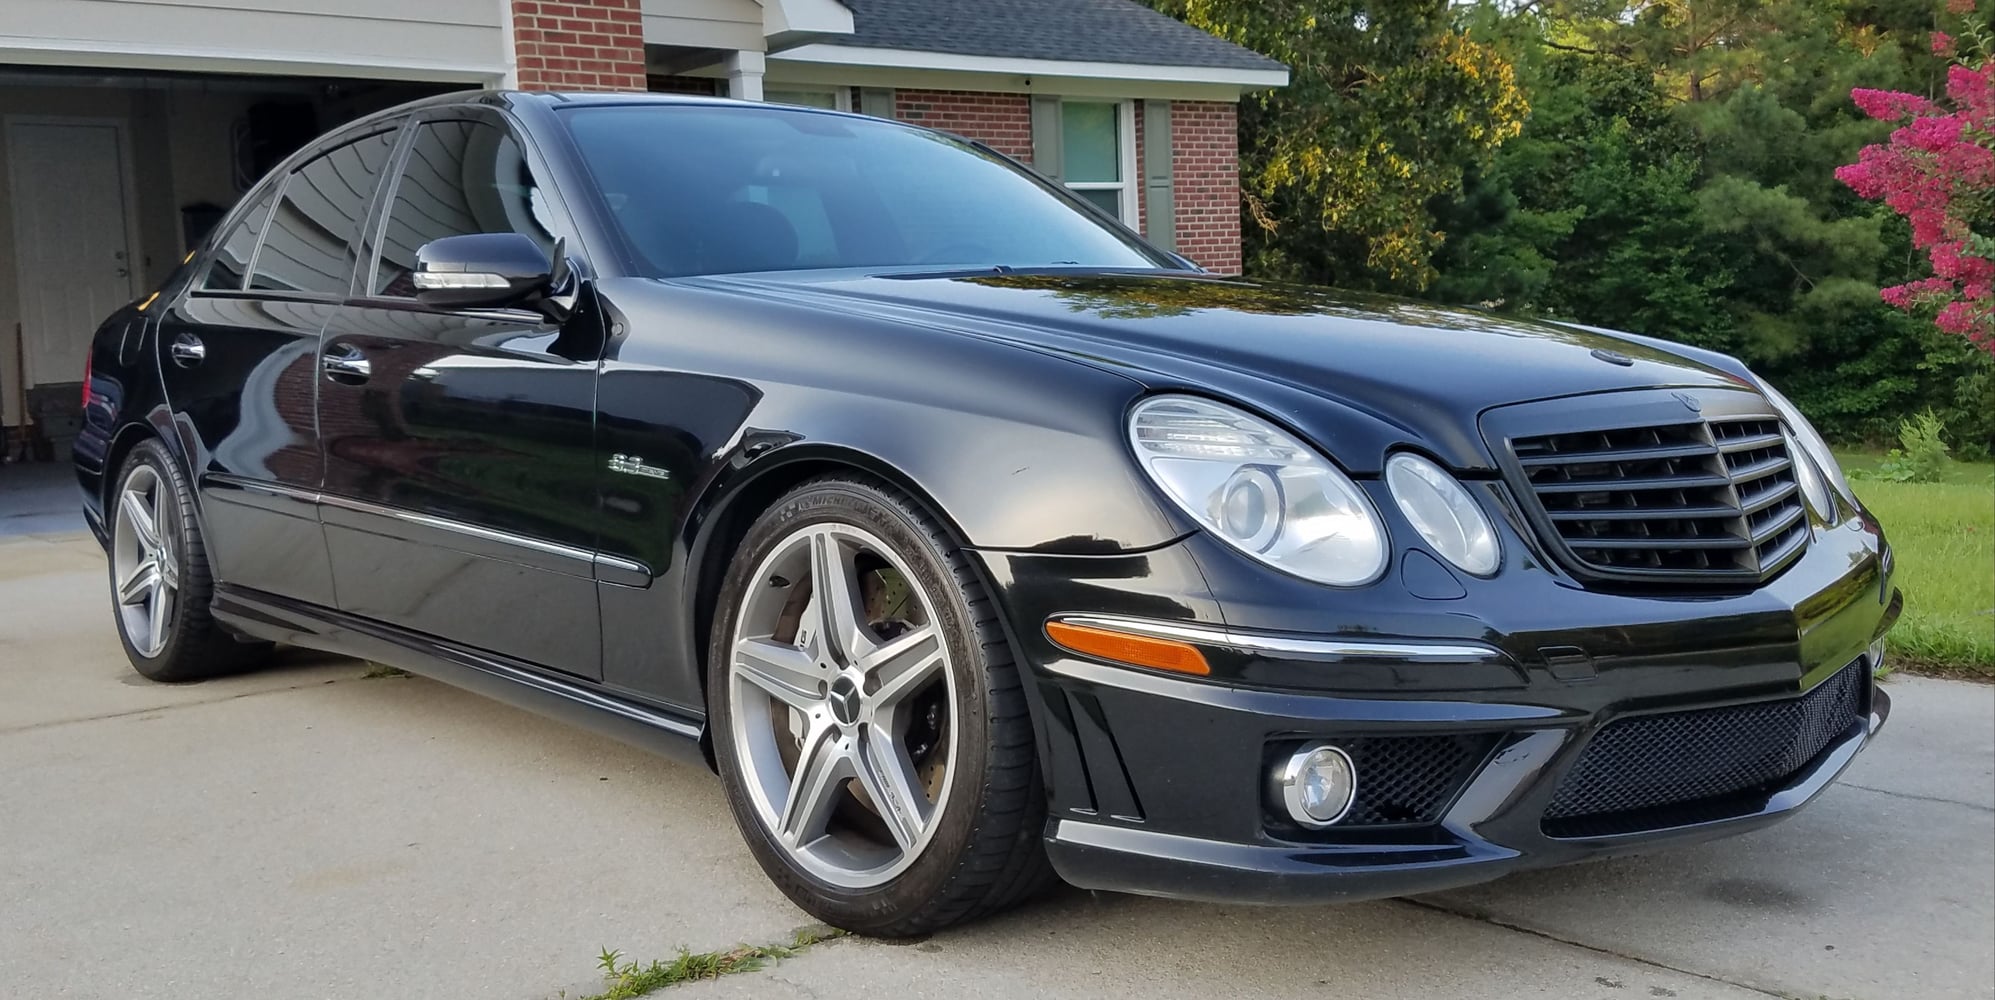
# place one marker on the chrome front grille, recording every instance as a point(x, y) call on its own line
point(1705, 497)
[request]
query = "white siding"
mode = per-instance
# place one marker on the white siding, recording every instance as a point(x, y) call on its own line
point(707, 24)
point(454, 40)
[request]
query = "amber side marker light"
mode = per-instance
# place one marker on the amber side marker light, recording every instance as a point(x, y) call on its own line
point(1126, 647)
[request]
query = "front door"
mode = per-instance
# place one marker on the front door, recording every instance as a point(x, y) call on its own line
point(71, 237)
point(460, 494)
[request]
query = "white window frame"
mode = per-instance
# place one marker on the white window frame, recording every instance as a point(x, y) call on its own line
point(840, 96)
point(1125, 165)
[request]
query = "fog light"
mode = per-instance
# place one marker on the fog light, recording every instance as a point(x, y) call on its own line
point(1317, 784)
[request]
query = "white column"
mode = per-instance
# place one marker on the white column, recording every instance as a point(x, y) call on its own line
point(744, 75)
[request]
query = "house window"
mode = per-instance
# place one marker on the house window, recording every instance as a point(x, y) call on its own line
point(829, 98)
point(1098, 154)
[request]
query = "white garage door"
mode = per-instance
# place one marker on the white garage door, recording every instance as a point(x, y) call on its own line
point(71, 240)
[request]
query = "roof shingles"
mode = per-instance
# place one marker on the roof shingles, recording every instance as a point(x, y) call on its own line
point(1109, 31)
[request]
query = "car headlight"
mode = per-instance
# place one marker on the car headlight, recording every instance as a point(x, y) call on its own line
point(1443, 513)
point(1812, 445)
point(1260, 490)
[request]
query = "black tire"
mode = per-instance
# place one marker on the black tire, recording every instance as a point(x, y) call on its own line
point(196, 646)
point(986, 852)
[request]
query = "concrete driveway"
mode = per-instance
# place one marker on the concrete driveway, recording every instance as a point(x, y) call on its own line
point(309, 831)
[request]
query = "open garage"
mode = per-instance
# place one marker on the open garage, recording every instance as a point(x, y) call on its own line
point(127, 129)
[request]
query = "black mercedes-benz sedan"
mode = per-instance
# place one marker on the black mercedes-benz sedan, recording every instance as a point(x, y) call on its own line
point(972, 540)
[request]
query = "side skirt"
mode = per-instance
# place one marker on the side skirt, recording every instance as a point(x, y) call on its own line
point(281, 619)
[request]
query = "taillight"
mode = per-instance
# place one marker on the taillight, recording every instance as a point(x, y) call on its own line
point(87, 359)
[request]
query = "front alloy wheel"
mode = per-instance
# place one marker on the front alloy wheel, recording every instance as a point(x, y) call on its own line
point(867, 717)
point(842, 706)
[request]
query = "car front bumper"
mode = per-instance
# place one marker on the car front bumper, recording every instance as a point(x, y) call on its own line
point(1159, 783)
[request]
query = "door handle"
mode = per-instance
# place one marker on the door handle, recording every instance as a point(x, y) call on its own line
point(345, 364)
point(187, 350)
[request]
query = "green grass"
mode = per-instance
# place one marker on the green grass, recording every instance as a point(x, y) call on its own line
point(1944, 537)
point(623, 980)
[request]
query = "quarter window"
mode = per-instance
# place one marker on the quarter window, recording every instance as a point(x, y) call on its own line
point(1097, 144)
point(460, 178)
point(230, 263)
point(310, 245)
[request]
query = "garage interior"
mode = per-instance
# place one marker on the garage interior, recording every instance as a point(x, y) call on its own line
point(107, 179)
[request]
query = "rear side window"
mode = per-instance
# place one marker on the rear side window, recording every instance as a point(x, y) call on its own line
point(309, 246)
point(231, 261)
point(460, 178)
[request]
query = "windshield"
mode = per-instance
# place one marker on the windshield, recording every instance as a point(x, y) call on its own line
point(724, 190)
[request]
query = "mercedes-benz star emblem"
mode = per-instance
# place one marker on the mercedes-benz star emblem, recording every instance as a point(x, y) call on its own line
point(1688, 400)
point(845, 701)
point(1613, 357)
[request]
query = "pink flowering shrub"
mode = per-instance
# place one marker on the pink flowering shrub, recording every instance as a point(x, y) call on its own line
point(1938, 171)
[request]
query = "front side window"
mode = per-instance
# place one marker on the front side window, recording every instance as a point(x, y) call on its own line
point(460, 178)
point(310, 244)
point(719, 190)
point(230, 263)
point(1095, 150)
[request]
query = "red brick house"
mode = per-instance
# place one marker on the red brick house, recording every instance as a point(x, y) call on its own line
point(127, 126)
point(1134, 110)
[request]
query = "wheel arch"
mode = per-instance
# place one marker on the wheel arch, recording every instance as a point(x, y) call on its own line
point(731, 508)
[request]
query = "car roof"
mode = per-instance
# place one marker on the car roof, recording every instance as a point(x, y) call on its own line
point(508, 98)
point(552, 99)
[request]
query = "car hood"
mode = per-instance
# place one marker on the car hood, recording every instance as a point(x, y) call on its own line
point(1422, 373)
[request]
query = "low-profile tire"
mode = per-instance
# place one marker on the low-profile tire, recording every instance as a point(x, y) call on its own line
point(907, 692)
point(160, 582)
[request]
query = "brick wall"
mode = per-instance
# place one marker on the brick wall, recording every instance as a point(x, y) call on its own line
point(1205, 165)
point(579, 44)
point(1142, 221)
point(1205, 177)
point(1002, 121)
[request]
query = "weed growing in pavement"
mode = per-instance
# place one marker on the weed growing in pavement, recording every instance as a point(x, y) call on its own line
point(626, 979)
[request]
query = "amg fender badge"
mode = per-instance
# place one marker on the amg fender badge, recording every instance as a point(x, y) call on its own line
point(633, 465)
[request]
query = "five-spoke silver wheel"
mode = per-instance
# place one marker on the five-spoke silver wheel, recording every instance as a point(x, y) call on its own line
point(842, 704)
point(145, 569)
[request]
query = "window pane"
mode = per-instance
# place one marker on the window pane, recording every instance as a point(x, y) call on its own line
point(1110, 201)
point(231, 260)
point(721, 190)
point(461, 177)
point(309, 247)
point(808, 98)
point(1089, 142)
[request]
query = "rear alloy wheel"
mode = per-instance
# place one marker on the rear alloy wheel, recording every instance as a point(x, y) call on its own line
point(145, 569)
point(160, 585)
point(868, 720)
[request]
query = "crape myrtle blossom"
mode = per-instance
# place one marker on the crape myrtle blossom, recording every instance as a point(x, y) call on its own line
point(1938, 171)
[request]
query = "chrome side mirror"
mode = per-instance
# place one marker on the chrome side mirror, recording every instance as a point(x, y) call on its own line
point(487, 270)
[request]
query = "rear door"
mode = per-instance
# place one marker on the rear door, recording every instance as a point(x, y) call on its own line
point(238, 356)
point(460, 492)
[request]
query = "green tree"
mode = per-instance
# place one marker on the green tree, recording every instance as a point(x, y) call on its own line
point(1387, 104)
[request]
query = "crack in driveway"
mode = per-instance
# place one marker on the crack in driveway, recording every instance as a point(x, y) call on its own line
point(128, 713)
point(1491, 919)
point(1976, 806)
